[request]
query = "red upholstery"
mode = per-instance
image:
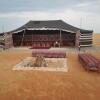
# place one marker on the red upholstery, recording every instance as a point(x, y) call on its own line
point(40, 46)
point(89, 62)
point(49, 54)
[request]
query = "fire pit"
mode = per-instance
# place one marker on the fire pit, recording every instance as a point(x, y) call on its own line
point(39, 62)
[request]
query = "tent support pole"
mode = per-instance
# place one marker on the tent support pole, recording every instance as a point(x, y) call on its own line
point(60, 38)
point(23, 37)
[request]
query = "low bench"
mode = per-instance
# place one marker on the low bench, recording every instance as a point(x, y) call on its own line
point(89, 62)
point(40, 46)
point(49, 53)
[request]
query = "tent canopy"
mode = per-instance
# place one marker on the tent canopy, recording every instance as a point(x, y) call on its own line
point(50, 25)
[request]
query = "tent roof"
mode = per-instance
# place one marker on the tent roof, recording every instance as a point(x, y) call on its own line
point(49, 24)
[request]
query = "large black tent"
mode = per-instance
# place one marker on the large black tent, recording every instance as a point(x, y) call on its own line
point(50, 31)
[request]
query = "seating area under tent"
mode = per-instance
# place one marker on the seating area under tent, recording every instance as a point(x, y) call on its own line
point(43, 39)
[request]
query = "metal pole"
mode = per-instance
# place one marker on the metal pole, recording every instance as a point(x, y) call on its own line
point(81, 22)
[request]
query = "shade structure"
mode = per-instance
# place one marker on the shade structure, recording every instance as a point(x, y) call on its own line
point(60, 31)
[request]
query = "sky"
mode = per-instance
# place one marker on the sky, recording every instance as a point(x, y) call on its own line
point(83, 14)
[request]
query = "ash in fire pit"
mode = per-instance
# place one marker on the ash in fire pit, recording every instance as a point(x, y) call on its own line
point(40, 62)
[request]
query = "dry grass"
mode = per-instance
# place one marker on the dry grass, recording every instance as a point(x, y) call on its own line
point(76, 84)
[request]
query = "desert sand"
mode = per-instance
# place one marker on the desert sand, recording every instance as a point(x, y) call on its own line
point(96, 39)
point(76, 84)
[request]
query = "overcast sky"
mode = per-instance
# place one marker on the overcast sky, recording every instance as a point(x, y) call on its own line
point(79, 13)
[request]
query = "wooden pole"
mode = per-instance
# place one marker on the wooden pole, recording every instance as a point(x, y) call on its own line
point(32, 38)
point(60, 38)
point(23, 37)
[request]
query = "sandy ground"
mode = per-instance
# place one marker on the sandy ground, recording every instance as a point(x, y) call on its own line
point(76, 84)
point(96, 39)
